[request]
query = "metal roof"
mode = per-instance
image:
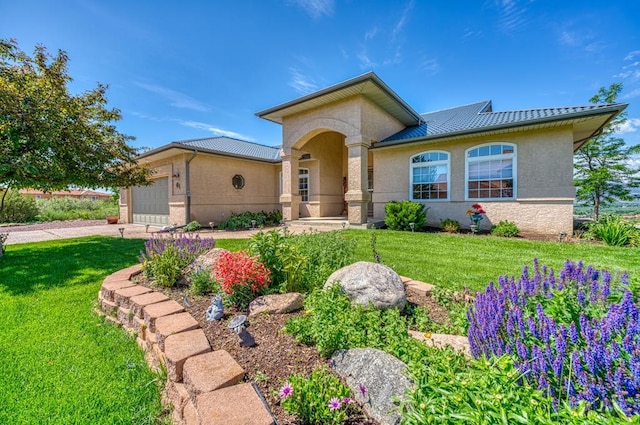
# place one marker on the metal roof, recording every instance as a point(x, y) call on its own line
point(224, 146)
point(479, 117)
point(368, 85)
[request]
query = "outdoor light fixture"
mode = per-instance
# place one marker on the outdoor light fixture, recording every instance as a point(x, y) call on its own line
point(176, 175)
point(212, 225)
point(253, 224)
point(146, 228)
point(344, 224)
point(561, 236)
point(121, 230)
point(412, 225)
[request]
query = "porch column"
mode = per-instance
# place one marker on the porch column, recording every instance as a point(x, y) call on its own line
point(357, 195)
point(290, 198)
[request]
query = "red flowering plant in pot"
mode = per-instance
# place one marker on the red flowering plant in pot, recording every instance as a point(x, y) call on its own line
point(241, 277)
point(476, 214)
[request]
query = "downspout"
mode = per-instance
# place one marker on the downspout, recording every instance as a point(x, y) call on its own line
point(188, 187)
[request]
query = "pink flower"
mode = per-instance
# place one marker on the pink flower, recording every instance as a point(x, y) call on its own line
point(286, 391)
point(347, 400)
point(363, 389)
point(335, 404)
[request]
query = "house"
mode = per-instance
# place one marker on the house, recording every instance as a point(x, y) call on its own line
point(91, 195)
point(350, 148)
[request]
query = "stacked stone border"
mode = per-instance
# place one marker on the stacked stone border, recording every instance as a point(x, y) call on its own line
point(204, 387)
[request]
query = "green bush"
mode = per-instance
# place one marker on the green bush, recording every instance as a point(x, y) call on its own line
point(202, 283)
point(192, 227)
point(319, 399)
point(18, 208)
point(506, 229)
point(613, 230)
point(244, 220)
point(166, 268)
point(60, 208)
point(399, 215)
point(450, 225)
point(301, 262)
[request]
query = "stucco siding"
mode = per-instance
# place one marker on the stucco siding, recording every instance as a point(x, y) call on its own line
point(544, 181)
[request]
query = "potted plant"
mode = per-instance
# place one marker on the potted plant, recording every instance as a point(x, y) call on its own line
point(112, 219)
point(476, 214)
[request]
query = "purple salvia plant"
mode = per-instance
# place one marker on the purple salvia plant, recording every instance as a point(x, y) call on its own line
point(567, 333)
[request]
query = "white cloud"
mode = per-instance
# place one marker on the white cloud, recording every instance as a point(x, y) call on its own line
point(315, 8)
point(513, 16)
point(632, 94)
point(365, 60)
point(175, 98)
point(631, 125)
point(632, 55)
point(301, 83)
point(216, 131)
point(430, 66)
point(371, 33)
point(397, 29)
point(471, 33)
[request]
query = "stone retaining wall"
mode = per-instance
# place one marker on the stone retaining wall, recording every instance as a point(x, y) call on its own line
point(204, 387)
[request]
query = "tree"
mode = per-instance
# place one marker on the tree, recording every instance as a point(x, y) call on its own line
point(602, 169)
point(50, 138)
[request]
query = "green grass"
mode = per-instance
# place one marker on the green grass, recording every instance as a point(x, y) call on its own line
point(59, 362)
point(456, 261)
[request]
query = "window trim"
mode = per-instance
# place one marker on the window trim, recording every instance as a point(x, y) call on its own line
point(514, 167)
point(308, 176)
point(447, 162)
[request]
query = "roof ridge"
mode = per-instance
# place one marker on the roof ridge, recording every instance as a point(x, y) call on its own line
point(456, 107)
point(597, 105)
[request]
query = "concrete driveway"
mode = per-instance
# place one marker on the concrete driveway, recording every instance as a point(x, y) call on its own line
point(130, 231)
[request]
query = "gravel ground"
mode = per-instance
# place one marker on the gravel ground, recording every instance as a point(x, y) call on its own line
point(48, 225)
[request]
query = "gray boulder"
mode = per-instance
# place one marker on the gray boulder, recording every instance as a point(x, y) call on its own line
point(370, 283)
point(205, 261)
point(377, 380)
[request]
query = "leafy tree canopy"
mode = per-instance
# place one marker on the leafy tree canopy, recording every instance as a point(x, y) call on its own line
point(603, 171)
point(50, 138)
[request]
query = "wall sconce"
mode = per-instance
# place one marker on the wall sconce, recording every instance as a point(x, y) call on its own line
point(177, 185)
point(176, 175)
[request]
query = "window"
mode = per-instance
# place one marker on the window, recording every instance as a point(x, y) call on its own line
point(430, 176)
point(491, 171)
point(303, 184)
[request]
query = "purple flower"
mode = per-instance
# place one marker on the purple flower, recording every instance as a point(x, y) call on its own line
point(286, 391)
point(335, 404)
point(347, 400)
point(362, 389)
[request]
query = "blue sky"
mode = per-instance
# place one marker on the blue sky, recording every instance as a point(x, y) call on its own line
point(192, 69)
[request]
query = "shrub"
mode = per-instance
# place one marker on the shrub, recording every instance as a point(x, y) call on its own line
point(244, 220)
point(18, 208)
point(319, 399)
point(241, 276)
point(301, 262)
point(3, 247)
point(506, 229)
point(574, 336)
point(450, 225)
point(62, 208)
point(164, 258)
point(399, 215)
point(202, 283)
point(613, 230)
point(192, 227)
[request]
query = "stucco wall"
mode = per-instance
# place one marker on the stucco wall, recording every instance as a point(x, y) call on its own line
point(213, 197)
point(545, 190)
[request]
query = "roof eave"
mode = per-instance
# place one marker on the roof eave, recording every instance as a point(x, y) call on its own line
point(612, 110)
point(369, 76)
point(181, 147)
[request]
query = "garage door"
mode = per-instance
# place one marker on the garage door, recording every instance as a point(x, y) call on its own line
point(151, 203)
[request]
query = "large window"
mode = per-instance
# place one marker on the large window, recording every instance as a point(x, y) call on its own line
point(491, 171)
point(430, 176)
point(303, 184)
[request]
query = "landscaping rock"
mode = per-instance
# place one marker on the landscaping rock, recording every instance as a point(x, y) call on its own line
point(383, 377)
point(173, 324)
point(276, 303)
point(206, 261)
point(370, 284)
point(457, 342)
point(235, 405)
point(210, 371)
point(179, 347)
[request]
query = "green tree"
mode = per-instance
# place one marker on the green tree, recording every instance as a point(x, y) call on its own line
point(50, 138)
point(602, 169)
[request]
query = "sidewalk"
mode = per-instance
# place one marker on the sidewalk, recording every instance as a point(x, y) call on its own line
point(131, 231)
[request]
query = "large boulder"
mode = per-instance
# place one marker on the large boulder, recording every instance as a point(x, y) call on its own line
point(276, 303)
point(205, 261)
point(370, 284)
point(377, 380)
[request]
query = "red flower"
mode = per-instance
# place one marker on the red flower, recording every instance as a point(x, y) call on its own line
point(240, 269)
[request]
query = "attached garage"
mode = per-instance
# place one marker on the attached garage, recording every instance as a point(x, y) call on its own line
point(151, 203)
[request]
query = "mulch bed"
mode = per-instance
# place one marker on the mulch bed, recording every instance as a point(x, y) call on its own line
point(276, 355)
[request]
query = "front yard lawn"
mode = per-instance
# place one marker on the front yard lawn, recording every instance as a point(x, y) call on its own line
point(59, 362)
